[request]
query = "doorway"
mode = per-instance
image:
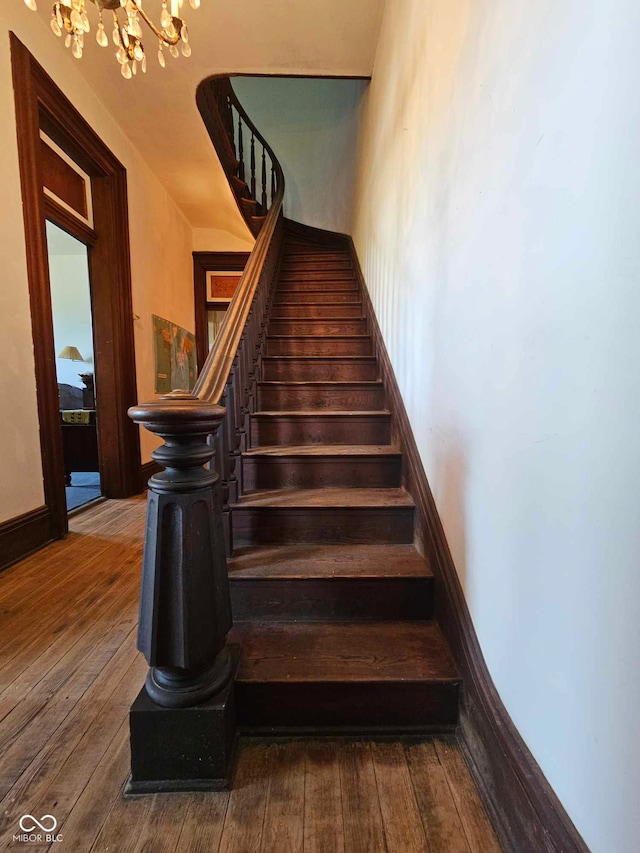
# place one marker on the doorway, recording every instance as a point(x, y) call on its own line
point(70, 178)
point(75, 364)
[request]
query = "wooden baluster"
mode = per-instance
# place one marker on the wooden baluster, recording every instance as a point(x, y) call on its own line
point(253, 165)
point(273, 182)
point(264, 180)
point(185, 608)
point(228, 120)
point(225, 463)
point(240, 149)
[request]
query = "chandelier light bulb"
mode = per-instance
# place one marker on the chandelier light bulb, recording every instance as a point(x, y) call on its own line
point(165, 18)
point(195, 4)
point(31, 4)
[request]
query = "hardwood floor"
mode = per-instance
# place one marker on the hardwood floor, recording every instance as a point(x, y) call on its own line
point(68, 673)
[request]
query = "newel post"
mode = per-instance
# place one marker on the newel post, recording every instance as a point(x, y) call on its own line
point(183, 721)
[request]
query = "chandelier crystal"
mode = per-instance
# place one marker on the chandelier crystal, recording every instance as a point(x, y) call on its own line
point(69, 19)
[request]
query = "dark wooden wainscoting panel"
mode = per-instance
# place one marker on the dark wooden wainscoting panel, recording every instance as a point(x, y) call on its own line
point(525, 811)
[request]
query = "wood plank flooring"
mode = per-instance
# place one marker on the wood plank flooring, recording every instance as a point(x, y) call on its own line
point(68, 672)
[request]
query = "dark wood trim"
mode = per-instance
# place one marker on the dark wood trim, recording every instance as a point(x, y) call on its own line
point(204, 262)
point(68, 222)
point(147, 470)
point(525, 811)
point(41, 105)
point(24, 534)
point(28, 133)
point(60, 178)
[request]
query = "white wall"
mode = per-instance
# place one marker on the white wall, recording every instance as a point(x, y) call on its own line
point(312, 126)
point(160, 259)
point(498, 224)
point(70, 303)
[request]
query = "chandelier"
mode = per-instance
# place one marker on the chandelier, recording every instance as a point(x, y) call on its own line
point(70, 18)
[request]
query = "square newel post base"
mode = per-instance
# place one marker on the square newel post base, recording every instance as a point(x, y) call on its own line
point(183, 749)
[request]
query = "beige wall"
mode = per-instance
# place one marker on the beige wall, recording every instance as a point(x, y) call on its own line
point(160, 259)
point(498, 225)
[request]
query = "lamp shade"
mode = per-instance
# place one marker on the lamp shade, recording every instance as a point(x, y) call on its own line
point(72, 353)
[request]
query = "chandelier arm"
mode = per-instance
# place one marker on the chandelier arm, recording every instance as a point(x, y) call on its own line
point(159, 33)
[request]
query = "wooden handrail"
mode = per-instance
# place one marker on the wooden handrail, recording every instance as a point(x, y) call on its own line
point(185, 604)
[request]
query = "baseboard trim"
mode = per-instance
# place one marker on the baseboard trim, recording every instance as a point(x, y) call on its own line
point(526, 813)
point(24, 535)
point(148, 469)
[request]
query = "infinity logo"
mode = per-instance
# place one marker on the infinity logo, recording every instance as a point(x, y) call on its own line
point(42, 824)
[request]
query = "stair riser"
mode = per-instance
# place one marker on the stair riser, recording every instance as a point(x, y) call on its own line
point(316, 473)
point(317, 275)
point(302, 297)
point(301, 311)
point(309, 525)
point(328, 370)
point(296, 398)
point(271, 432)
point(305, 266)
point(322, 328)
point(392, 708)
point(332, 600)
point(323, 287)
point(309, 346)
point(314, 257)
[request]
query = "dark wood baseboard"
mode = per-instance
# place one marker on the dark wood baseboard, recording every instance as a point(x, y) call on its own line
point(24, 535)
point(526, 813)
point(148, 469)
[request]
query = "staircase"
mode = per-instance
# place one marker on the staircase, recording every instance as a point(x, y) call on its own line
point(332, 604)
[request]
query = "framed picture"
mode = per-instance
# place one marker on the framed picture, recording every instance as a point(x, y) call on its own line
point(221, 285)
point(175, 353)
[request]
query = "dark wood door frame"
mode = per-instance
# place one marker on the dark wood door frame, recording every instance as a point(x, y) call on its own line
point(204, 262)
point(40, 105)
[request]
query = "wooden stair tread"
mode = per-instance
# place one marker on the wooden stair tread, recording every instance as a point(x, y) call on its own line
point(336, 358)
point(331, 497)
point(316, 383)
point(324, 450)
point(343, 652)
point(321, 413)
point(298, 336)
point(279, 304)
point(327, 561)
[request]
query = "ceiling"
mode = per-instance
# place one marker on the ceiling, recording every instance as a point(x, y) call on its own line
point(158, 111)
